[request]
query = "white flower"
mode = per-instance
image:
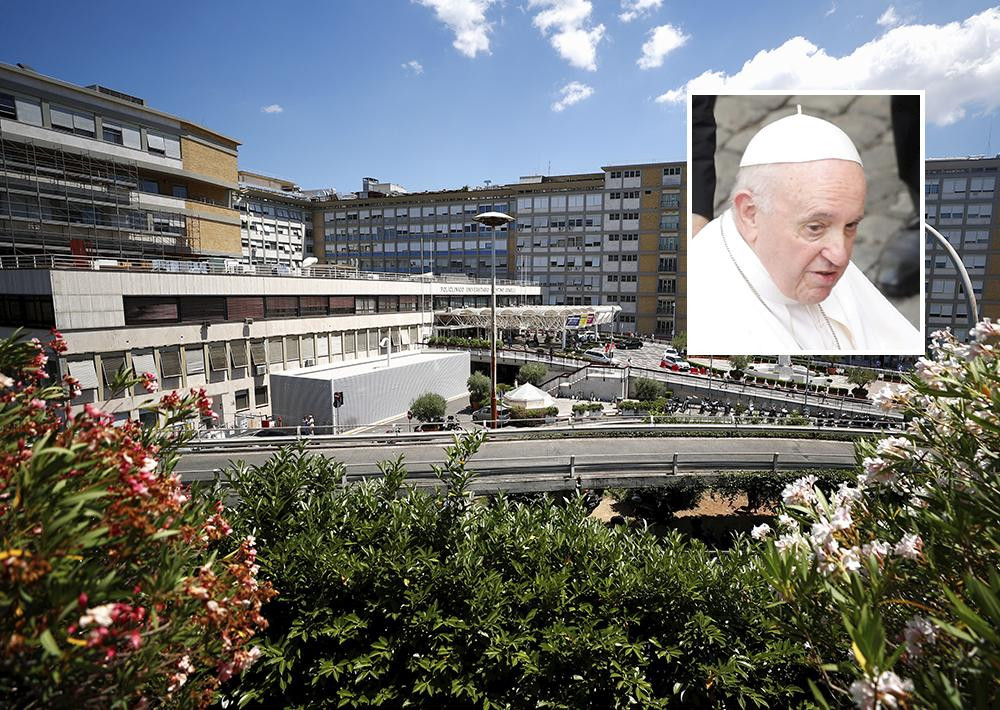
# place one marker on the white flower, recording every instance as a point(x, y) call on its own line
point(919, 497)
point(918, 631)
point(985, 331)
point(787, 522)
point(800, 492)
point(876, 547)
point(5, 381)
point(909, 546)
point(100, 615)
point(185, 665)
point(841, 519)
point(821, 532)
point(759, 532)
point(148, 465)
point(851, 559)
point(789, 542)
point(885, 691)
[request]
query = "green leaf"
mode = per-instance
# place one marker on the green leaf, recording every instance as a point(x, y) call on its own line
point(49, 643)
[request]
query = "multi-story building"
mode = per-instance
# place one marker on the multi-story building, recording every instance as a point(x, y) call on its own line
point(276, 220)
point(612, 237)
point(205, 326)
point(93, 171)
point(962, 202)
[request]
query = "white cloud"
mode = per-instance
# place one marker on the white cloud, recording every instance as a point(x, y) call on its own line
point(572, 37)
point(413, 66)
point(958, 64)
point(833, 9)
point(574, 92)
point(634, 9)
point(467, 19)
point(662, 40)
point(889, 18)
point(272, 108)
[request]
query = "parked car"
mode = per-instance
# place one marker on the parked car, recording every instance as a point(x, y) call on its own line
point(674, 362)
point(275, 431)
point(628, 343)
point(484, 415)
point(597, 355)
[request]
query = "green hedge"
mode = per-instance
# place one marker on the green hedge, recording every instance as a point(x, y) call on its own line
point(531, 417)
point(583, 407)
point(398, 598)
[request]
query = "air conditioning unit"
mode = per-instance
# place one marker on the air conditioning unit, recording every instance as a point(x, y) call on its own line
point(308, 363)
point(260, 369)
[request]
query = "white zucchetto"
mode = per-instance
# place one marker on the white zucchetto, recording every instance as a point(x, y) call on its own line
point(799, 139)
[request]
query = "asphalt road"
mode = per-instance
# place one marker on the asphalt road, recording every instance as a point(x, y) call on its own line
point(615, 453)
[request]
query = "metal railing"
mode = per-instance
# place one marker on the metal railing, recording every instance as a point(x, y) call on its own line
point(594, 471)
point(569, 426)
point(228, 267)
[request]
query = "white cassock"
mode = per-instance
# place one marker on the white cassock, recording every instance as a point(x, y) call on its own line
point(734, 308)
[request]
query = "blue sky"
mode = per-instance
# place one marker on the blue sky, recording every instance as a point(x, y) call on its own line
point(443, 93)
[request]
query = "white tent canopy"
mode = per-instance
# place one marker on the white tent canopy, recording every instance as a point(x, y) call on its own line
point(529, 397)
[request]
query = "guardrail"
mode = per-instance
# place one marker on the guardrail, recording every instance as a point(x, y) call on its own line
point(227, 267)
point(503, 434)
point(595, 471)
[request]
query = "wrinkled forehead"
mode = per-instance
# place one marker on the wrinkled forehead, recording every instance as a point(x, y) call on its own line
point(835, 183)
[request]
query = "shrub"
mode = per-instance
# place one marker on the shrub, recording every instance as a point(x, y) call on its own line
point(631, 404)
point(503, 388)
point(645, 389)
point(117, 587)
point(738, 362)
point(860, 376)
point(520, 416)
point(428, 407)
point(532, 372)
point(894, 579)
point(393, 596)
point(479, 389)
point(583, 407)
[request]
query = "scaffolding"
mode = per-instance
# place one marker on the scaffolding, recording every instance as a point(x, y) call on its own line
point(58, 201)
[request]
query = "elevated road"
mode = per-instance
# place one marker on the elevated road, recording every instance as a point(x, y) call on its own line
point(559, 464)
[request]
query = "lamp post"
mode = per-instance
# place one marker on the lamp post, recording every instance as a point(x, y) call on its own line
point(493, 220)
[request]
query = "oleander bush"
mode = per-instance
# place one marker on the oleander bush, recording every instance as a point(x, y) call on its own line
point(479, 389)
point(117, 587)
point(399, 597)
point(892, 581)
point(646, 390)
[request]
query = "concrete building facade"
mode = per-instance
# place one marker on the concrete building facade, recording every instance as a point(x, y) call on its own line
point(962, 202)
point(612, 237)
point(95, 172)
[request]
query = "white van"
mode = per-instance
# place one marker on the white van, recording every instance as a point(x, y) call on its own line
point(597, 355)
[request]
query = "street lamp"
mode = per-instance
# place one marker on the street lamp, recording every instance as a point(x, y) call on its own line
point(493, 220)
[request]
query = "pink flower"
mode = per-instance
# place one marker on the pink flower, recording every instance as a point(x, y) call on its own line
point(149, 382)
point(918, 632)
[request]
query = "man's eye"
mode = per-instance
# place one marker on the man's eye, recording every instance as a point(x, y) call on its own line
point(815, 228)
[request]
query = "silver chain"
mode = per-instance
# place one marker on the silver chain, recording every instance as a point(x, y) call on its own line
point(732, 257)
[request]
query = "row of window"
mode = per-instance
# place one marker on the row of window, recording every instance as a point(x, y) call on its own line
point(425, 211)
point(627, 195)
point(235, 358)
point(616, 174)
point(65, 119)
point(615, 216)
point(621, 278)
point(26, 311)
point(623, 257)
point(199, 309)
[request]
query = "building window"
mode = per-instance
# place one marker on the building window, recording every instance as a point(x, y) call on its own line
point(242, 400)
point(170, 362)
point(217, 357)
point(150, 186)
point(260, 396)
point(8, 108)
point(238, 353)
point(179, 191)
point(70, 121)
point(366, 304)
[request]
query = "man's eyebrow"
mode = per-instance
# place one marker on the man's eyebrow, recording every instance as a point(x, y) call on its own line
point(829, 216)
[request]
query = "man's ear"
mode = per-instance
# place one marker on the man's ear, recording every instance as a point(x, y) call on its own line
point(746, 214)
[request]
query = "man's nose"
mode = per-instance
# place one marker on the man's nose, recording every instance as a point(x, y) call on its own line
point(837, 249)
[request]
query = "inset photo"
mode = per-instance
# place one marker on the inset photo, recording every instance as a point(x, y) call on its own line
point(805, 230)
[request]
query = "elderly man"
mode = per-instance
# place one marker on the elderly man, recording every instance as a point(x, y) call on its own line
point(773, 274)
